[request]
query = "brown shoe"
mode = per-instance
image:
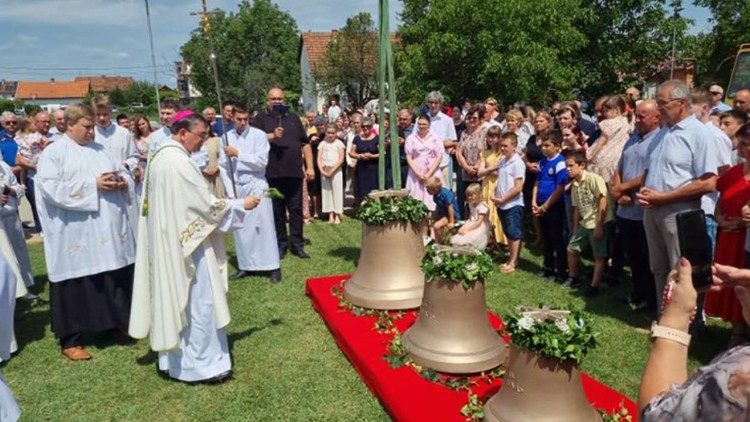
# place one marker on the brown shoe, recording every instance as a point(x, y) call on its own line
point(76, 353)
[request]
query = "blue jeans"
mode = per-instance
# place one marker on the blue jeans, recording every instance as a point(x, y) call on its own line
point(511, 221)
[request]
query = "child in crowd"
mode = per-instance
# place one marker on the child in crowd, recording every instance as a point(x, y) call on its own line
point(730, 121)
point(590, 216)
point(330, 160)
point(548, 205)
point(477, 229)
point(447, 212)
point(508, 197)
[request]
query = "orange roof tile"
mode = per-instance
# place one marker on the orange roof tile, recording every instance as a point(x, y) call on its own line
point(316, 43)
point(51, 89)
point(100, 84)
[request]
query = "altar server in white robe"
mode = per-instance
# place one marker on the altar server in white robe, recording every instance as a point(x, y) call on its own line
point(90, 248)
point(255, 243)
point(12, 192)
point(10, 289)
point(119, 143)
point(179, 292)
point(167, 114)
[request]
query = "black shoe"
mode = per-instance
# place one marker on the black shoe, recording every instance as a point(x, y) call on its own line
point(282, 253)
point(301, 254)
point(221, 378)
point(238, 275)
point(571, 282)
point(592, 291)
point(275, 276)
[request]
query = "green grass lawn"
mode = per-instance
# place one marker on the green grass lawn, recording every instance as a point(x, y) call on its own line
point(287, 366)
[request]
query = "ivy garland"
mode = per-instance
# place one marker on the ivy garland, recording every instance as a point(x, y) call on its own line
point(561, 334)
point(460, 264)
point(379, 210)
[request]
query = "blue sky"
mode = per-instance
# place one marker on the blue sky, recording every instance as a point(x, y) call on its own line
point(42, 39)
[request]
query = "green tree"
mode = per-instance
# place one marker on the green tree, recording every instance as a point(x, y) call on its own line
point(350, 62)
point(140, 92)
point(117, 97)
point(627, 40)
point(473, 48)
point(731, 27)
point(256, 47)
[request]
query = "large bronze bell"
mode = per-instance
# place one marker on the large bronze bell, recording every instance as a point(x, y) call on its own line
point(537, 388)
point(389, 275)
point(452, 333)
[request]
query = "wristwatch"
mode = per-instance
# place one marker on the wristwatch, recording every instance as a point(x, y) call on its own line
point(669, 334)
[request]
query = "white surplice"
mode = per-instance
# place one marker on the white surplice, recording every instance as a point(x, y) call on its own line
point(255, 243)
point(12, 222)
point(120, 145)
point(9, 275)
point(86, 230)
point(180, 284)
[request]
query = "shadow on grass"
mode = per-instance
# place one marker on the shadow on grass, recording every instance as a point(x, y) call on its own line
point(33, 315)
point(348, 253)
point(150, 357)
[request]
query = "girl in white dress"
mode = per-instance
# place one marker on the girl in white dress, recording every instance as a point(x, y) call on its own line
point(476, 230)
point(330, 160)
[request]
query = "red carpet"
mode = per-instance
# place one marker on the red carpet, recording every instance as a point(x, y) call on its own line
point(405, 395)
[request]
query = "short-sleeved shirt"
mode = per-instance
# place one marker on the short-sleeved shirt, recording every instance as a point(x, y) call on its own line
point(442, 126)
point(682, 154)
point(722, 146)
point(444, 199)
point(632, 164)
point(552, 173)
point(8, 148)
point(216, 127)
point(508, 171)
point(585, 195)
point(285, 155)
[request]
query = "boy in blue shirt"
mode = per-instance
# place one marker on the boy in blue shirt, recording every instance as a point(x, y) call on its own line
point(447, 212)
point(548, 205)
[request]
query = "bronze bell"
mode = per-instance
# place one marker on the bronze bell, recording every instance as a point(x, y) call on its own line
point(389, 275)
point(532, 380)
point(452, 333)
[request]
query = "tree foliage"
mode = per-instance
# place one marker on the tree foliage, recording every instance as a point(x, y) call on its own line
point(731, 27)
point(473, 48)
point(256, 47)
point(350, 62)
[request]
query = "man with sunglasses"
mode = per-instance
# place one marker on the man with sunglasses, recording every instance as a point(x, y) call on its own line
point(716, 92)
point(8, 145)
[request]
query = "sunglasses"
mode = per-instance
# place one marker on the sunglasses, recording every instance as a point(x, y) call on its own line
point(716, 93)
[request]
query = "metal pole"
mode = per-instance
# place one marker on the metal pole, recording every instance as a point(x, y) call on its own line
point(671, 70)
point(153, 56)
point(215, 71)
point(382, 61)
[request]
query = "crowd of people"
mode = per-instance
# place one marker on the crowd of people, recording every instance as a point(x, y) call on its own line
point(132, 216)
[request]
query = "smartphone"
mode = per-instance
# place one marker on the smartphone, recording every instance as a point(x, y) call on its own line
point(695, 245)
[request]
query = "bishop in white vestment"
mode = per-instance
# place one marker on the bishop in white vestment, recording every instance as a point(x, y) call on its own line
point(90, 250)
point(255, 243)
point(179, 292)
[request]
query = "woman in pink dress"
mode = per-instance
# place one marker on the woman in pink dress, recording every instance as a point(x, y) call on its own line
point(423, 154)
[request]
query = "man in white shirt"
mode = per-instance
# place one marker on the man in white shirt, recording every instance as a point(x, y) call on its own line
point(334, 111)
point(179, 292)
point(442, 127)
point(89, 246)
point(255, 243)
point(166, 114)
point(58, 131)
point(717, 93)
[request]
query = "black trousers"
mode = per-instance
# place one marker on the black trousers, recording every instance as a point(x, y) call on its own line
point(31, 197)
point(635, 249)
point(291, 188)
point(553, 242)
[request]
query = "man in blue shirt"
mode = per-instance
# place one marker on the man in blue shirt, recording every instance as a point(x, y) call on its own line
point(447, 212)
point(8, 145)
point(681, 169)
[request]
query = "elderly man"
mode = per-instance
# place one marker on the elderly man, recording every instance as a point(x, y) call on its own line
point(89, 247)
point(209, 113)
point(227, 120)
point(716, 104)
point(255, 242)
point(288, 143)
point(742, 100)
point(58, 131)
point(442, 127)
point(179, 292)
point(8, 145)
point(626, 181)
point(680, 170)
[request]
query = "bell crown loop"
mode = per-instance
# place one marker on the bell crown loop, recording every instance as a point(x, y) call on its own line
point(458, 249)
point(377, 195)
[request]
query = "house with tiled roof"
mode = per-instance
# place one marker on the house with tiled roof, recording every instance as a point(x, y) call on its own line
point(52, 92)
point(312, 50)
point(8, 89)
point(105, 84)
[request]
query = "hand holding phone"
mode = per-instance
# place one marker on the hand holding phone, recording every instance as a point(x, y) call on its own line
point(695, 245)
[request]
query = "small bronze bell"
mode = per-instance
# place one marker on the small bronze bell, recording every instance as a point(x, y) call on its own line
point(452, 333)
point(388, 273)
point(536, 388)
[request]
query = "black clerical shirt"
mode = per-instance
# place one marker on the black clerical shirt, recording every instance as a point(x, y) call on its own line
point(285, 155)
